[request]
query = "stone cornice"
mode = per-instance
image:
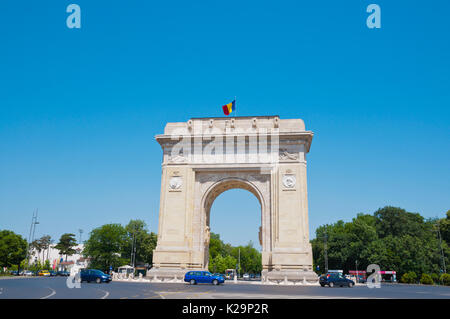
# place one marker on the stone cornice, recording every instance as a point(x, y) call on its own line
point(291, 137)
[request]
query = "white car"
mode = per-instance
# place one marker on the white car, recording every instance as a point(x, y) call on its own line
point(246, 276)
point(28, 273)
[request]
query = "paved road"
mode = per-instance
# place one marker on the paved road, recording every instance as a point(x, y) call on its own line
point(55, 288)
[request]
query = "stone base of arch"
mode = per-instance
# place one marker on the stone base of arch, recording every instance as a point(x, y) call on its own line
point(289, 277)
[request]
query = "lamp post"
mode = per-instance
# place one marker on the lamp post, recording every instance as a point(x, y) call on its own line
point(239, 262)
point(325, 237)
point(81, 232)
point(34, 222)
point(133, 247)
point(440, 246)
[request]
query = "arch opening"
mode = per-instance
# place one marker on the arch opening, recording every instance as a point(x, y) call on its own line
point(214, 192)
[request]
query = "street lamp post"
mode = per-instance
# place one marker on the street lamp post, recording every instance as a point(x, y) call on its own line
point(34, 222)
point(81, 232)
point(440, 246)
point(133, 248)
point(325, 250)
point(239, 262)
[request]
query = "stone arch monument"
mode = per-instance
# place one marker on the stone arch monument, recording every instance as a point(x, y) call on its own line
point(205, 157)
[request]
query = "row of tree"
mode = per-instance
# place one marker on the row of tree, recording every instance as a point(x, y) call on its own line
point(13, 249)
point(65, 245)
point(113, 245)
point(108, 245)
point(224, 256)
point(392, 238)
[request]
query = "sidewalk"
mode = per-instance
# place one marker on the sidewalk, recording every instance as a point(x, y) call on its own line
point(15, 277)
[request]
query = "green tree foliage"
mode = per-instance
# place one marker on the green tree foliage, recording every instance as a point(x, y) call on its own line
point(43, 244)
point(426, 279)
point(13, 249)
point(435, 277)
point(105, 246)
point(219, 264)
point(224, 256)
point(396, 222)
point(47, 265)
point(145, 242)
point(409, 278)
point(111, 245)
point(392, 238)
point(445, 279)
point(444, 225)
point(66, 244)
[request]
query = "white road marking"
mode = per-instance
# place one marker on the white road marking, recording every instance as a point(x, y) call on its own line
point(106, 295)
point(162, 297)
point(53, 293)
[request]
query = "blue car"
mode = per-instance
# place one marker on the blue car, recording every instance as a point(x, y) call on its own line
point(202, 277)
point(94, 275)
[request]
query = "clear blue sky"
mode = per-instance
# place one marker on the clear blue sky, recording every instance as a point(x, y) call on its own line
point(79, 108)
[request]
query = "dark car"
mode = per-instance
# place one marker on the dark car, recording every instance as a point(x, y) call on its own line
point(203, 277)
point(94, 275)
point(335, 280)
point(63, 273)
point(53, 273)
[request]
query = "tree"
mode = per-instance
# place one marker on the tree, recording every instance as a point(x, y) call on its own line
point(224, 256)
point(426, 279)
point(398, 222)
point(106, 245)
point(36, 246)
point(444, 226)
point(44, 244)
point(66, 244)
point(392, 238)
point(144, 242)
point(13, 249)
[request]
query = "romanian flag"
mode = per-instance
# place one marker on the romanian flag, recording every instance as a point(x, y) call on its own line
point(228, 108)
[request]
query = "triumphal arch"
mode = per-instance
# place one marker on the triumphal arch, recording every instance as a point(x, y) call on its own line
point(205, 157)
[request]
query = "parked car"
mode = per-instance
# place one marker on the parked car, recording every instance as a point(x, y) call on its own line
point(246, 277)
point(44, 273)
point(332, 280)
point(202, 277)
point(94, 275)
point(63, 273)
point(28, 273)
point(14, 273)
point(53, 273)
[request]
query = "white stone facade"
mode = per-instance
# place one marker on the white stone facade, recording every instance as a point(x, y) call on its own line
point(55, 258)
point(203, 158)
